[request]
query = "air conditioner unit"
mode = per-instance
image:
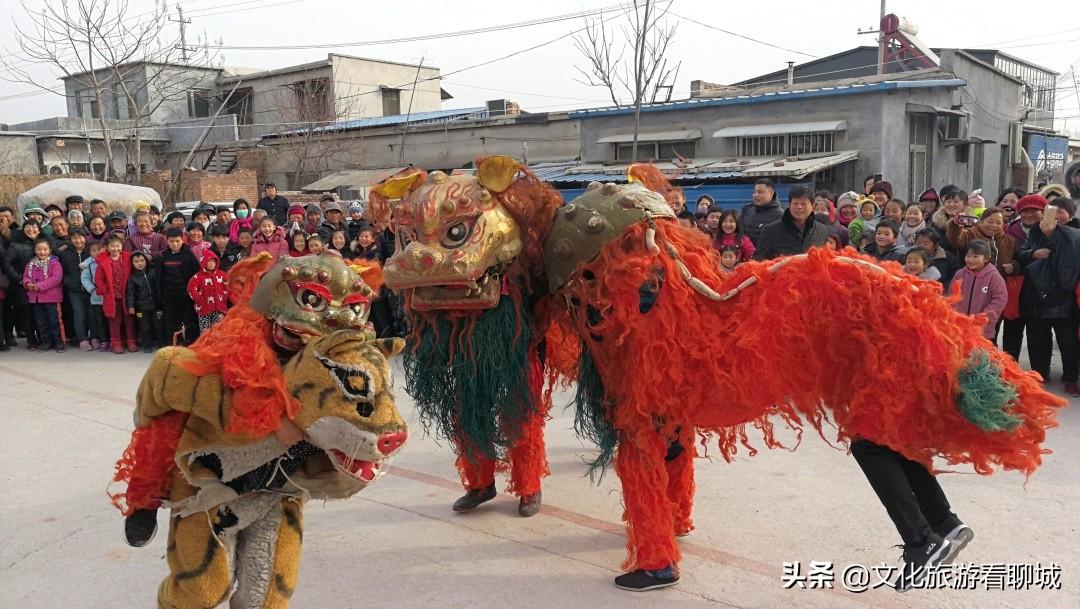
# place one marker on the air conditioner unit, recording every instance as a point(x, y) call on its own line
point(953, 128)
point(496, 107)
point(1016, 143)
point(55, 170)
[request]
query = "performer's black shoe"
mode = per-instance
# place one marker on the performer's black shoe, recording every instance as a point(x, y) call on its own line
point(642, 580)
point(472, 499)
point(140, 527)
point(956, 533)
point(919, 560)
point(529, 505)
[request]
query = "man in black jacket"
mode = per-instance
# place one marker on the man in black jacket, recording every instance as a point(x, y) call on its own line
point(275, 205)
point(1051, 261)
point(175, 267)
point(795, 232)
point(763, 211)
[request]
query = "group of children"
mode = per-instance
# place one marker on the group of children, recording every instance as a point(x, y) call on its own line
point(128, 288)
point(100, 280)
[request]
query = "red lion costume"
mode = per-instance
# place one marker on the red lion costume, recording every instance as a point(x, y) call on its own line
point(629, 274)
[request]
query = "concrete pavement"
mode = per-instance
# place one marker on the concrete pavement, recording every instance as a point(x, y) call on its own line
point(66, 418)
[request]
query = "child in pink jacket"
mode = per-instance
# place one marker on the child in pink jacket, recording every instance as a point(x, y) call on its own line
point(42, 278)
point(982, 289)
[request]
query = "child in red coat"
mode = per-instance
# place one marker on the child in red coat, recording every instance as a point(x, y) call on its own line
point(209, 290)
point(110, 279)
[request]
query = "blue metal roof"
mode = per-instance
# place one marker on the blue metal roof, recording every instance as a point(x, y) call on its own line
point(757, 98)
point(416, 118)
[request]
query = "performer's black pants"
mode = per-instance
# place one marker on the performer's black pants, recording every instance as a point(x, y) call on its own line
point(1040, 348)
point(911, 495)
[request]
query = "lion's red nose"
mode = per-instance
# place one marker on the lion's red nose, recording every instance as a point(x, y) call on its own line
point(389, 442)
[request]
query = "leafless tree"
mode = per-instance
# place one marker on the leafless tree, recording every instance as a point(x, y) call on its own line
point(159, 70)
point(308, 110)
point(646, 36)
point(129, 63)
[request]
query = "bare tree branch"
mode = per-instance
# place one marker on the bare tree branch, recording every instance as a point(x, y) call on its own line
point(645, 34)
point(124, 61)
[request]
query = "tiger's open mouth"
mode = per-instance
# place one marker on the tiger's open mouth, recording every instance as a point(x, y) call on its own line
point(365, 471)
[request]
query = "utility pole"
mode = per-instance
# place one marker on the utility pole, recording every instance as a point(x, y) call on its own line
point(880, 41)
point(412, 96)
point(183, 31)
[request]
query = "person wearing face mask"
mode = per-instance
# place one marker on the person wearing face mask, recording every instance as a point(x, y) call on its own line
point(242, 211)
point(201, 216)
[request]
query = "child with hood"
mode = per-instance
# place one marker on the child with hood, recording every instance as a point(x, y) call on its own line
point(846, 208)
point(142, 302)
point(97, 330)
point(43, 281)
point(208, 289)
point(861, 229)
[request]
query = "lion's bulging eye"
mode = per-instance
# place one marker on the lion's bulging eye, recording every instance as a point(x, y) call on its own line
point(310, 300)
point(457, 235)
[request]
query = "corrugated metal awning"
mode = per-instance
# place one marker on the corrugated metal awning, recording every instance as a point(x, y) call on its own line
point(349, 178)
point(914, 108)
point(800, 168)
point(780, 129)
point(661, 136)
point(364, 178)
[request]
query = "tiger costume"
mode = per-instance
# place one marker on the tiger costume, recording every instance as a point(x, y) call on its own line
point(237, 501)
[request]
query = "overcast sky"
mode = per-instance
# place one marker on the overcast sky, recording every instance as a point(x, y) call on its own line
point(544, 78)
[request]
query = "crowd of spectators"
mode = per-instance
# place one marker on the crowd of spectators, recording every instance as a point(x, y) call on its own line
point(81, 275)
point(1016, 261)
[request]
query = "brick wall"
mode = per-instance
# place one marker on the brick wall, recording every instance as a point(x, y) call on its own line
point(203, 186)
point(11, 186)
point(297, 197)
point(253, 160)
point(158, 181)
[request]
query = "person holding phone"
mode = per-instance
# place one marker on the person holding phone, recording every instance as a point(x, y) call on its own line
point(990, 228)
point(1051, 261)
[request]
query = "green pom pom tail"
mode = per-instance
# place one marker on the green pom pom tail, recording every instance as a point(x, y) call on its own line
point(984, 396)
point(469, 378)
point(592, 419)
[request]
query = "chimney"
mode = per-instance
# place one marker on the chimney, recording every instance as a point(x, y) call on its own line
point(790, 73)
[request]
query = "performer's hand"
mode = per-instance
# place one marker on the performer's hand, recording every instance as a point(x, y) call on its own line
point(1041, 254)
point(289, 433)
